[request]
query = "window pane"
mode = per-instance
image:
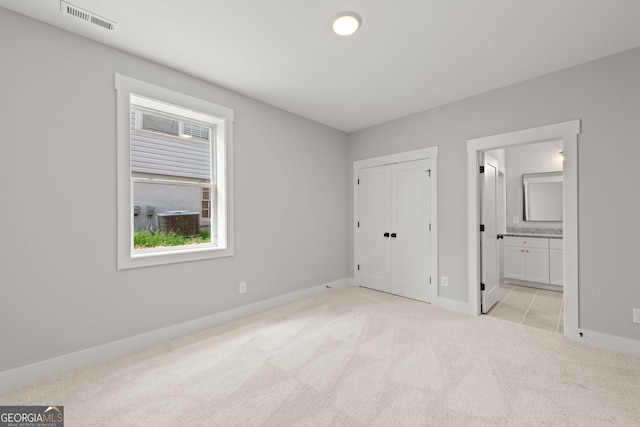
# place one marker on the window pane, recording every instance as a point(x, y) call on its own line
point(169, 216)
point(167, 154)
point(160, 124)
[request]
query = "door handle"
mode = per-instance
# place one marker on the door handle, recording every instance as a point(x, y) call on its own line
point(394, 235)
point(386, 234)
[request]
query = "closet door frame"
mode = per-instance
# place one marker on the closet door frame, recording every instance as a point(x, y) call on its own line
point(424, 153)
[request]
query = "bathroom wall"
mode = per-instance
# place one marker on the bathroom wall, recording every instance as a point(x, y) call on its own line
point(534, 158)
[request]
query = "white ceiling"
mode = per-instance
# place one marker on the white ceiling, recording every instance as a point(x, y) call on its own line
point(409, 55)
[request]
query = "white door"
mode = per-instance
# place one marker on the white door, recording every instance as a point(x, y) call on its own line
point(488, 238)
point(514, 262)
point(374, 223)
point(556, 262)
point(537, 268)
point(394, 228)
point(410, 234)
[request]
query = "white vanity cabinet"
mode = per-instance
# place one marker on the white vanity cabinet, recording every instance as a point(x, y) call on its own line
point(556, 262)
point(526, 258)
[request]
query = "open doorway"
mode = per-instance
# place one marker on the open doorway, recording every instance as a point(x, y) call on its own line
point(566, 133)
point(521, 245)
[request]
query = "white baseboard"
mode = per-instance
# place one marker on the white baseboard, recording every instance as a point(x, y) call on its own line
point(536, 285)
point(608, 342)
point(446, 303)
point(454, 305)
point(590, 338)
point(38, 371)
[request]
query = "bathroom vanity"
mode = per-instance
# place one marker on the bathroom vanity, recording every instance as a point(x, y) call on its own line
point(533, 261)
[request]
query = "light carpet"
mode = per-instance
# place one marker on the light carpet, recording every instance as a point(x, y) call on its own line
point(353, 357)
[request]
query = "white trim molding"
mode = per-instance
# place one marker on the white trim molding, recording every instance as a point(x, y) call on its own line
point(407, 156)
point(24, 375)
point(453, 305)
point(134, 92)
point(568, 133)
point(608, 342)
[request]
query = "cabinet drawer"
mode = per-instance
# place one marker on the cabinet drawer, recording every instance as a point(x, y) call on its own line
point(536, 242)
point(555, 243)
point(529, 242)
point(513, 241)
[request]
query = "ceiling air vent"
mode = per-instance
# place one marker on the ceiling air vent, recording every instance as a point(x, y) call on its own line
point(85, 15)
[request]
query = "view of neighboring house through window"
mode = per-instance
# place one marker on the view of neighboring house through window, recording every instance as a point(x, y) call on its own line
point(171, 158)
point(176, 179)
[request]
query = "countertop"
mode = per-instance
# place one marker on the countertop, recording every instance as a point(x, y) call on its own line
point(544, 232)
point(546, 236)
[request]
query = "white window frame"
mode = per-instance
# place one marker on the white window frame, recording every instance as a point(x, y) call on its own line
point(223, 183)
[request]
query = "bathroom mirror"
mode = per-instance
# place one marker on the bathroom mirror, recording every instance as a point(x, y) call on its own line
point(542, 196)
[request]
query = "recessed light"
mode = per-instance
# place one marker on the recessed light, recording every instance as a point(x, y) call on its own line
point(346, 23)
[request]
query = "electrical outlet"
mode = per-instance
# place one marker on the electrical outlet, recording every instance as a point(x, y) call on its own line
point(444, 281)
point(516, 219)
point(636, 315)
point(243, 287)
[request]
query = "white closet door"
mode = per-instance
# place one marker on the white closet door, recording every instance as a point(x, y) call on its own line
point(394, 236)
point(374, 222)
point(410, 218)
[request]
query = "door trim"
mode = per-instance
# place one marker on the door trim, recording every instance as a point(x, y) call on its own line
point(407, 156)
point(568, 132)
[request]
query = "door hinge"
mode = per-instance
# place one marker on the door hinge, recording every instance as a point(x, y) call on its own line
point(481, 169)
point(429, 226)
point(482, 286)
point(358, 267)
point(429, 170)
point(358, 224)
point(358, 181)
point(429, 280)
point(481, 227)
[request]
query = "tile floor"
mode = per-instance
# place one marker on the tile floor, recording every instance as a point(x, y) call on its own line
point(530, 306)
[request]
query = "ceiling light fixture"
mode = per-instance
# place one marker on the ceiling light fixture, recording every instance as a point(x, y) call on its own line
point(346, 23)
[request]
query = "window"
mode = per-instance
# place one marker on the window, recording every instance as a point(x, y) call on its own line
point(174, 165)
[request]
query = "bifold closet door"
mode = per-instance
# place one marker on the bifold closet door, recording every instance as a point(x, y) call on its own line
point(374, 222)
point(394, 232)
point(410, 219)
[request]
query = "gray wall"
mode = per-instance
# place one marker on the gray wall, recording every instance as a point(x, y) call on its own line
point(605, 95)
point(60, 290)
